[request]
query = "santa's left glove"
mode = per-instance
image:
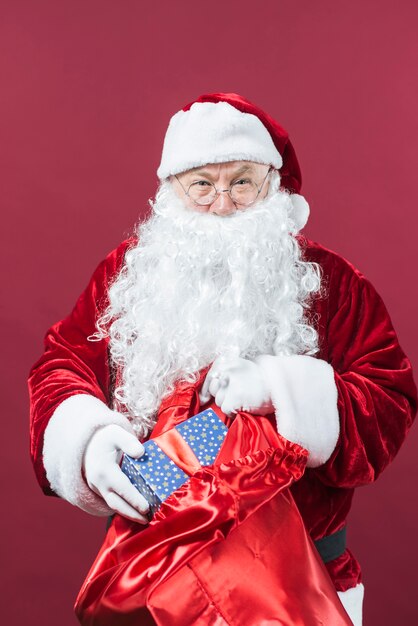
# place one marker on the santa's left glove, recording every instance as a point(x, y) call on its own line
point(237, 384)
point(83, 444)
point(299, 389)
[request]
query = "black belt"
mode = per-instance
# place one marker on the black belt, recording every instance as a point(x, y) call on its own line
point(332, 546)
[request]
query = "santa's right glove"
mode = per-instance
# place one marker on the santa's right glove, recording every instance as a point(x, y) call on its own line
point(83, 444)
point(104, 476)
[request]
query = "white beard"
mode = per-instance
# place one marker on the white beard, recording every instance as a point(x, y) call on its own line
point(198, 285)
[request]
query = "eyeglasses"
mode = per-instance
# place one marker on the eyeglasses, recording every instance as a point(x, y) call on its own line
point(243, 191)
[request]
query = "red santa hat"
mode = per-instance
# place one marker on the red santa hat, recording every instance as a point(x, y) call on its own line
point(224, 127)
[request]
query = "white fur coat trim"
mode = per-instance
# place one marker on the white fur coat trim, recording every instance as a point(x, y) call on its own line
point(304, 396)
point(68, 432)
point(352, 601)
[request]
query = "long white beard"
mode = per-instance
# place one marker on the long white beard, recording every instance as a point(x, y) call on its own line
point(198, 285)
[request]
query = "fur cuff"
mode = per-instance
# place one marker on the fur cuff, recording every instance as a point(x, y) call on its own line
point(304, 395)
point(68, 432)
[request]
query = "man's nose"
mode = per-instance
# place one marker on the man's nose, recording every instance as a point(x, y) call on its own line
point(223, 204)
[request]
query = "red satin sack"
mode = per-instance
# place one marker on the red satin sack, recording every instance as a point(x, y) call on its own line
point(228, 547)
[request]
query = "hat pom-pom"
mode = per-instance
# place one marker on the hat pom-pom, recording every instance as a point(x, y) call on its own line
point(299, 211)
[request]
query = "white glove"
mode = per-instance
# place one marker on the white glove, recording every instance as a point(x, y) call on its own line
point(104, 476)
point(237, 384)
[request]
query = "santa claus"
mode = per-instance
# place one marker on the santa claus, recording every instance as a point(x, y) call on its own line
point(218, 295)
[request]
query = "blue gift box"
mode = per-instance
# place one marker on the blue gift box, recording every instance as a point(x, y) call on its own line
point(156, 476)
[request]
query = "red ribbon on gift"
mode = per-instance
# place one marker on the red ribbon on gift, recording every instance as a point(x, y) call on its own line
point(178, 450)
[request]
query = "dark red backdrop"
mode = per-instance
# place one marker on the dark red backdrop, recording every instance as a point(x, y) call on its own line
point(86, 91)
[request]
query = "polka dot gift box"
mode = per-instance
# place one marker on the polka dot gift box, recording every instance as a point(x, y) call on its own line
point(192, 444)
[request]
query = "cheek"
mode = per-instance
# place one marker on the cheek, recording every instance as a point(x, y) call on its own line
point(189, 204)
point(195, 207)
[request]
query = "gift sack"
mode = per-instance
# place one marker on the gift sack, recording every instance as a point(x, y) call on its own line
point(227, 547)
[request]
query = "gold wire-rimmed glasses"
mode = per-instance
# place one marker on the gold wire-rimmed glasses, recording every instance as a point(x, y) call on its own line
point(244, 191)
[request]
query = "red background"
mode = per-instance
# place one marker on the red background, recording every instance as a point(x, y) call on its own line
point(86, 91)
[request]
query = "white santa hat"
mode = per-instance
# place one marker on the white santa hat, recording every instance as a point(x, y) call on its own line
point(220, 128)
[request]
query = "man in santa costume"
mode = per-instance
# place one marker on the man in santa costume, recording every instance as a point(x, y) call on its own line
point(218, 292)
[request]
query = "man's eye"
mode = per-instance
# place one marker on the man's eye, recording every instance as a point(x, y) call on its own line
point(201, 183)
point(243, 181)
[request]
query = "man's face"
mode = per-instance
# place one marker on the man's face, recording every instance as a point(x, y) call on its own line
point(222, 176)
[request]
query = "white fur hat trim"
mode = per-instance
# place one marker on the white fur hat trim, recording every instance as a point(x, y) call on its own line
point(215, 133)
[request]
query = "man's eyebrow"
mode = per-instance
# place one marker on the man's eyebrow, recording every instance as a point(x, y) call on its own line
point(241, 170)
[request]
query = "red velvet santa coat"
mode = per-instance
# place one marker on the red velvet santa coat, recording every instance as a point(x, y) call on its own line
point(376, 393)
